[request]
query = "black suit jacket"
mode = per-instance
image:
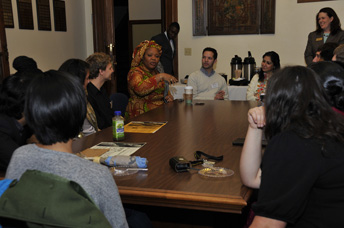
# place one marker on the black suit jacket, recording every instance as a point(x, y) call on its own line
point(166, 58)
point(315, 40)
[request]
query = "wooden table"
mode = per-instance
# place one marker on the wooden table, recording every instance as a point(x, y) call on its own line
point(210, 128)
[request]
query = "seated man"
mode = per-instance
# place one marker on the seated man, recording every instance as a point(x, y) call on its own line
point(206, 83)
point(101, 70)
point(55, 108)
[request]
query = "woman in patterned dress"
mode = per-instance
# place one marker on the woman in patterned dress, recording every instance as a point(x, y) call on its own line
point(270, 63)
point(145, 84)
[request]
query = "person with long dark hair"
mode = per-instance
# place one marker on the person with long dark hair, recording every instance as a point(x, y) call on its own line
point(328, 29)
point(270, 63)
point(14, 131)
point(302, 170)
point(331, 75)
point(81, 70)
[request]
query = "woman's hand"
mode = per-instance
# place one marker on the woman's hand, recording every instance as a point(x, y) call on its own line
point(169, 98)
point(256, 117)
point(251, 155)
point(166, 77)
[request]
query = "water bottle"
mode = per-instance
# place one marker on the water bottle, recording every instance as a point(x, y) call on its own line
point(118, 126)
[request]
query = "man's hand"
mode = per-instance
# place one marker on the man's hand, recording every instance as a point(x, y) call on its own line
point(220, 95)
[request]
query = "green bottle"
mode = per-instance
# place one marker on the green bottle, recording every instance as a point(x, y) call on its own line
point(118, 126)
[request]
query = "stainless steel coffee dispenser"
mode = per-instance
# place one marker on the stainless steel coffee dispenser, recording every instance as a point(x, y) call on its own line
point(236, 64)
point(249, 67)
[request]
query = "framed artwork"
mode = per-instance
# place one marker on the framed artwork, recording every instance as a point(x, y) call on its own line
point(228, 17)
point(8, 14)
point(43, 15)
point(267, 17)
point(233, 17)
point(60, 15)
point(25, 16)
point(199, 18)
point(303, 1)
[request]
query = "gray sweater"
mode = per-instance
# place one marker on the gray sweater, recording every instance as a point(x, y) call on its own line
point(96, 179)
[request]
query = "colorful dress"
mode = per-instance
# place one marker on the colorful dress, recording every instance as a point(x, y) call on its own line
point(255, 88)
point(145, 92)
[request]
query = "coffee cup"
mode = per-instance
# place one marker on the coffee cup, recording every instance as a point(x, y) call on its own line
point(188, 94)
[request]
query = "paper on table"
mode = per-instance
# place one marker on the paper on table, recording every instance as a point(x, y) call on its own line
point(118, 148)
point(143, 126)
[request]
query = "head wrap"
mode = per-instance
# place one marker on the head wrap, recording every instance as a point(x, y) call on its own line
point(141, 49)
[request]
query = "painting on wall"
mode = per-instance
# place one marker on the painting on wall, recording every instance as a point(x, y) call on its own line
point(267, 18)
point(43, 15)
point(7, 12)
point(25, 16)
point(60, 15)
point(199, 21)
point(232, 17)
point(302, 1)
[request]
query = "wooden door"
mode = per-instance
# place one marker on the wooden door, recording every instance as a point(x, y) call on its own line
point(169, 14)
point(4, 64)
point(104, 34)
point(104, 30)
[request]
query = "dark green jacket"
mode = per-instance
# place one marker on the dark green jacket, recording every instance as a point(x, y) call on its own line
point(41, 199)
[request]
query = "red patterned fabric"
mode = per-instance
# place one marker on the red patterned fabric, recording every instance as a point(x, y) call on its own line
point(145, 93)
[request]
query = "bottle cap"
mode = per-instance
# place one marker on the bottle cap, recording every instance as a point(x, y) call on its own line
point(118, 113)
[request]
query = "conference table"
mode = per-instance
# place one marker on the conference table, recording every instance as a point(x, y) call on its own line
point(235, 93)
point(210, 127)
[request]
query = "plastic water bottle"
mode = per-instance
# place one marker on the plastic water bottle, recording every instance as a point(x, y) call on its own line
point(118, 126)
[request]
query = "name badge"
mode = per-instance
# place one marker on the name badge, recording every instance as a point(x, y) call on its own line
point(319, 39)
point(215, 85)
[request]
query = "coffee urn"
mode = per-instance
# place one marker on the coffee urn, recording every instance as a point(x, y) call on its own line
point(236, 64)
point(249, 67)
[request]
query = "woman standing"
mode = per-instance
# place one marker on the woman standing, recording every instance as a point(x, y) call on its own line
point(145, 84)
point(270, 63)
point(328, 30)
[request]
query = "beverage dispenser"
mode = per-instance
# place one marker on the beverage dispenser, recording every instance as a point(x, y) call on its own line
point(249, 67)
point(236, 64)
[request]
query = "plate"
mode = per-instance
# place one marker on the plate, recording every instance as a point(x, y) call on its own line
point(216, 172)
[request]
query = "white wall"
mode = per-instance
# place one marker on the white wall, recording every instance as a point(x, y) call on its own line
point(293, 23)
point(49, 48)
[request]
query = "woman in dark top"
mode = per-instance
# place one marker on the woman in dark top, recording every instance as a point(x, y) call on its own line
point(302, 171)
point(328, 30)
point(13, 129)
